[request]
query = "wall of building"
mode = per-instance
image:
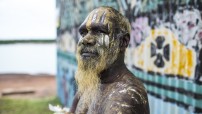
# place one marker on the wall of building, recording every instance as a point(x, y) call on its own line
point(165, 51)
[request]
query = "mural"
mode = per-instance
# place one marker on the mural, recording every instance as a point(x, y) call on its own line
point(165, 49)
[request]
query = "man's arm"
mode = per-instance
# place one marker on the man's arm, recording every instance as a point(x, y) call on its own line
point(74, 104)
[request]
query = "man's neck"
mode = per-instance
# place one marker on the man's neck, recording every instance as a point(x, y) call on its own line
point(114, 72)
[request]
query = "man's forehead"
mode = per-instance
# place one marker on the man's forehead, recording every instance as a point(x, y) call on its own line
point(100, 16)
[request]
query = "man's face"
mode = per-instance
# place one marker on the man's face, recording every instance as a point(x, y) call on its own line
point(97, 47)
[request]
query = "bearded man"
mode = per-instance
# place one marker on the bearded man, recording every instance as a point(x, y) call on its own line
point(105, 85)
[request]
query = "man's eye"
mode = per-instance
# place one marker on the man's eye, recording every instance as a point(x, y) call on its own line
point(83, 33)
point(97, 32)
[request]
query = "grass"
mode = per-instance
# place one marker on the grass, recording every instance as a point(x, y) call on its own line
point(26, 41)
point(25, 106)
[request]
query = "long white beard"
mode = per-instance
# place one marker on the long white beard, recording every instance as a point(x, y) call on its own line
point(87, 78)
point(88, 85)
point(87, 75)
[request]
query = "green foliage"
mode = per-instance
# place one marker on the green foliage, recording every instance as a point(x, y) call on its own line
point(27, 106)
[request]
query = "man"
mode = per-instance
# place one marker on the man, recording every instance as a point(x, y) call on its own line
point(105, 85)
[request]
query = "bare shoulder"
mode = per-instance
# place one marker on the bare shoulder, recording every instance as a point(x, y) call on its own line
point(128, 96)
point(131, 88)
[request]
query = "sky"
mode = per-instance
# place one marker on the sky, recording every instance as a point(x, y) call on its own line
point(27, 19)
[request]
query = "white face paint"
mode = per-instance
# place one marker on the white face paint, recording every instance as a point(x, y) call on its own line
point(94, 16)
point(104, 40)
point(100, 39)
point(80, 38)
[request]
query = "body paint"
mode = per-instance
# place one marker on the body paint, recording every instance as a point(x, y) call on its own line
point(94, 17)
point(103, 40)
point(102, 18)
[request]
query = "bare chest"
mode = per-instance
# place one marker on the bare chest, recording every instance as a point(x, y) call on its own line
point(104, 101)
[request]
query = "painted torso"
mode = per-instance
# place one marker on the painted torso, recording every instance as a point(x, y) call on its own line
point(126, 95)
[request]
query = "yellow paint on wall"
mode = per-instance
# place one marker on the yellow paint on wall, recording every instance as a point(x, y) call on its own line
point(182, 60)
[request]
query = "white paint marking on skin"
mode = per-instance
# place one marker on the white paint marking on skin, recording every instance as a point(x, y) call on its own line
point(106, 40)
point(80, 38)
point(123, 91)
point(103, 39)
point(111, 106)
point(118, 103)
point(124, 85)
point(103, 17)
point(136, 93)
point(136, 100)
point(132, 90)
point(111, 94)
point(100, 39)
point(94, 16)
point(125, 105)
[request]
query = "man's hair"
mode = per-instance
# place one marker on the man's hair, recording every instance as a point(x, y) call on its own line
point(121, 23)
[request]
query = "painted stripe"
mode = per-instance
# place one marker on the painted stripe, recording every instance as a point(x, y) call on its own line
point(170, 81)
point(180, 97)
point(88, 23)
point(102, 18)
point(94, 17)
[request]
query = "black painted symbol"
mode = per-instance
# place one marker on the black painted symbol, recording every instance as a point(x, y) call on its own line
point(159, 62)
point(198, 69)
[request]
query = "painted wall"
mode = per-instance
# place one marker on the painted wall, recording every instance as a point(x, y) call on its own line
point(165, 49)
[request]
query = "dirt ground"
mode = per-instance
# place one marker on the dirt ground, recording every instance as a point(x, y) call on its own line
point(27, 86)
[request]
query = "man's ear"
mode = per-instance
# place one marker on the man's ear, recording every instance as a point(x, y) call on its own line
point(124, 41)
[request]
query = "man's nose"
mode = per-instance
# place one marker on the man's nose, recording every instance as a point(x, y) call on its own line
point(90, 41)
